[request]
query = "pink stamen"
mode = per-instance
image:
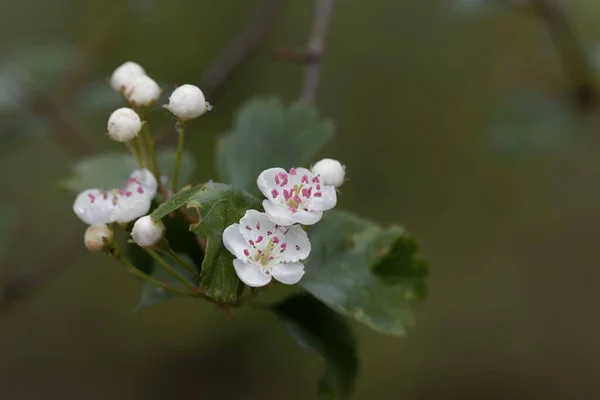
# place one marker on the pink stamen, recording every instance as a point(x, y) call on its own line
point(274, 193)
point(287, 194)
point(92, 197)
point(140, 189)
point(306, 192)
point(277, 179)
point(297, 199)
point(104, 195)
point(260, 252)
point(292, 171)
point(131, 180)
point(275, 239)
point(305, 179)
point(128, 194)
point(259, 239)
point(248, 227)
point(284, 246)
point(121, 192)
point(318, 187)
point(315, 179)
point(318, 194)
point(258, 225)
point(297, 248)
point(246, 252)
point(293, 210)
point(270, 258)
point(251, 242)
point(269, 233)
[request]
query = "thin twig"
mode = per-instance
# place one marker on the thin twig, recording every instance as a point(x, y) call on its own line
point(571, 51)
point(316, 48)
point(215, 76)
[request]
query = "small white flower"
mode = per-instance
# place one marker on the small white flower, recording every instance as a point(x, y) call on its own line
point(144, 91)
point(122, 78)
point(264, 250)
point(95, 235)
point(332, 172)
point(146, 232)
point(295, 197)
point(101, 206)
point(187, 102)
point(124, 124)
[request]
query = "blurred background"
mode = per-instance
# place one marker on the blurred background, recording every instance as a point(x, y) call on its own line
point(468, 122)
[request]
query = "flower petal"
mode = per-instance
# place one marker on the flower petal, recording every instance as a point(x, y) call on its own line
point(289, 273)
point(129, 209)
point(327, 201)
point(307, 217)
point(252, 275)
point(234, 241)
point(92, 208)
point(297, 245)
point(266, 181)
point(279, 215)
point(255, 224)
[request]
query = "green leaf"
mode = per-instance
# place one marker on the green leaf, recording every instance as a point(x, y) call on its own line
point(265, 135)
point(316, 327)
point(110, 170)
point(218, 206)
point(347, 250)
point(152, 294)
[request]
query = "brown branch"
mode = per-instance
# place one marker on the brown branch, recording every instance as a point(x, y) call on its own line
point(571, 52)
point(215, 76)
point(316, 48)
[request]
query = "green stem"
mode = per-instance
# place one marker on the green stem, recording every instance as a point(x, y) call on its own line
point(151, 150)
point(142, 146)
point(170, 269)
point(135, 150)
point(181, 133)
point(147, 278)
point(178, 259)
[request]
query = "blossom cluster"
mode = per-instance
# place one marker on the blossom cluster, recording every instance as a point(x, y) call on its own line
point(273, 244)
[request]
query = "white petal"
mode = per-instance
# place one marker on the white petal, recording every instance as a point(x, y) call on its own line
point(298, 245)
point(234, 242)
point(146, 179)
point(252, 275)
point(93, 209)
point(279, 215)
point(307, 217)
point(327, 201)
point(255, 224)
point(266, 181)
point(129, 209)
point(289, 273)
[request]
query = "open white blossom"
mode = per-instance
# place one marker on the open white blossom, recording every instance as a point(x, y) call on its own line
point(264, 250)
point(295, 197)
point(123, 76)
point(187, 102)
point(144, 91)
point(146, 232)
point(124, 124)
point(332, 172)
point(95, 235)
point(102, 206)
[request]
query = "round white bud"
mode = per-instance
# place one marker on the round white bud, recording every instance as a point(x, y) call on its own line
point(95, 236)
point(124, 124)
point(144, 91)
point(146, 232)
point(187, 102)
point(122, 78)
point(332, 172)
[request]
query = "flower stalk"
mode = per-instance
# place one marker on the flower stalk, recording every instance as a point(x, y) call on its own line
point(180, 143)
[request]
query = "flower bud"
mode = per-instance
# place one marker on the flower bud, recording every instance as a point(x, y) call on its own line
point(187, 102)
point(95, 237)
point(124, 124)
point(144, 91)
point(332, 172)
point(122, 78)
point(146, 232)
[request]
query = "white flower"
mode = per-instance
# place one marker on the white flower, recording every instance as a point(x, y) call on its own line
point(124, 124)
point(187, 102)
point(264, 250)
point(295, 197)
point(95, 235)
point(144, 91)
point(146, 232)
point(100, 206)
point(332, 172)
point(123, 77)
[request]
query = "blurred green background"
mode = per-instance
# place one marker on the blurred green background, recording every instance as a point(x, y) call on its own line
point(504, 201)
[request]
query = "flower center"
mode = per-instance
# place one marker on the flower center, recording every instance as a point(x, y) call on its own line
point(296, 189)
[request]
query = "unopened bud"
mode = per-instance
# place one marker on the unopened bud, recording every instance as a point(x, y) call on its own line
point(146, 232)
point(187, 102)
point(122, 78)
point(144, 91)
point(124, 124)
point(96, 237)
point(332, 172)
